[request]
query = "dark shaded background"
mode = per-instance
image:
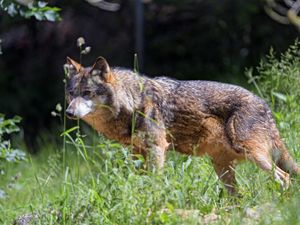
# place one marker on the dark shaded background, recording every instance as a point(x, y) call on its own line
point(213, 40)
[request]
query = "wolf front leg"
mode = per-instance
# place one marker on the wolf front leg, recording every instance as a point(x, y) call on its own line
point(154, 156)
point(154, 144)
point(151, 130)
point(157, 157)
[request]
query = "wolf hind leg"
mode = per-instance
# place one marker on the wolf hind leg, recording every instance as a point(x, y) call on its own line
point(264, 161)
point(249, 136)
point(283, 159)
point(226, 173)
point(259, 151)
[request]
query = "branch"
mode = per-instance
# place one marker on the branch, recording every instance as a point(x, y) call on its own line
point(285, 12)
point(108, 6)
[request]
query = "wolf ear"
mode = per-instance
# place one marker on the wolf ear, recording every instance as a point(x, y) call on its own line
point(101, 66)
point(72, 62)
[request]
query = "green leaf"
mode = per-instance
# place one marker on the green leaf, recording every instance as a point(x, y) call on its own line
point(50, 16)
point(2, 194)
point(69, 131)
point(280, 96)
point(38, 15)
point(42, 4)
point(11, 10)
point(38, 10)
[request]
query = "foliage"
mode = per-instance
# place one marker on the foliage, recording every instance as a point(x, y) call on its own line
point(7, 153)
point(278, 81)
point(30, 8)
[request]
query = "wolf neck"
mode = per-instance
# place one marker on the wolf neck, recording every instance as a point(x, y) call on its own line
point(128, 89)
point(116, 128)
point(114, 121)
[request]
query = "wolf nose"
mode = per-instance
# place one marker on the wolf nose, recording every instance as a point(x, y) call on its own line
point(69, 113)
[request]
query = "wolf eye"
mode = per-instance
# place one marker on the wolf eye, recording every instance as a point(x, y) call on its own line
point(86, 93)
point(70, 93)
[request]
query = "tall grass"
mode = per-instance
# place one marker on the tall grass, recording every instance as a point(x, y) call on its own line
point(101, 182)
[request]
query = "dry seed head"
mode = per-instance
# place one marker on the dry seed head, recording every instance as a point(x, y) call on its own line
point(54, 114)
point(80, 41)
point(67, 68)
point(58, 107)
point(86, 50)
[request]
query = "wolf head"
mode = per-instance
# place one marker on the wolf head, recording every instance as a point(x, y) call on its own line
point(88, 88)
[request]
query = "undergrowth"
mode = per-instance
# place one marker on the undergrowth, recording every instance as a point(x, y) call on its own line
point(97, 181)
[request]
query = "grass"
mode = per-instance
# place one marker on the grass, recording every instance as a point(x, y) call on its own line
point(97, 181)
point(106, 188)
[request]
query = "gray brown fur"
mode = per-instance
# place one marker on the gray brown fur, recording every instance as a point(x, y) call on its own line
point(226, 122)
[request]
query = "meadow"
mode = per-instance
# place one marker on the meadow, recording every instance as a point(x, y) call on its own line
point(91, 180)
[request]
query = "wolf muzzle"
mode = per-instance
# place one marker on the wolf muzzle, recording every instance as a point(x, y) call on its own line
point(79, 107)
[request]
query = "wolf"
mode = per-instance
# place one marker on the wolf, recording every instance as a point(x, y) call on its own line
point(226, 122)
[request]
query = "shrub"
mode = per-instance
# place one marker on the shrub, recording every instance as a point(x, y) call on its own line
point(278, 82)
point(7, 152)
